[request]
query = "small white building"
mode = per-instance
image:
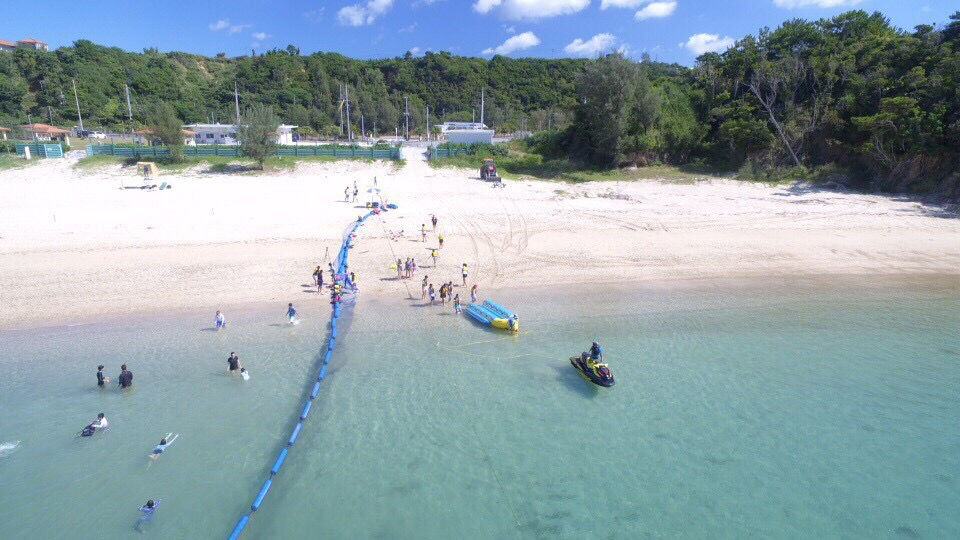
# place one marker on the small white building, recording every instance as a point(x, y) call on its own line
point(31, 43)
point(7, 45)
point(447, 126)
point(469, 136)
point(227, 133)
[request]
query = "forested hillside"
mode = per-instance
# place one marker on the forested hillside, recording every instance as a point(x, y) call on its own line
point(850, 98)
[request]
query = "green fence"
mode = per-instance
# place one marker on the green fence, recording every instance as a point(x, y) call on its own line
point(235, 151)
point(440, 152)
point(38, 149)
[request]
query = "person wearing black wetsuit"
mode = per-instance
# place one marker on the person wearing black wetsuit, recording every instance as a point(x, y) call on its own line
point(233, 362)
point(100, 378)
point(125, 380)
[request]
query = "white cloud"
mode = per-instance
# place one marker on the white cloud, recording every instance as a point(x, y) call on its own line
point(260, 36)
point(592, 46)
point(604, 4)
point(359, 15)
point(315, 15)
point(518, 42)
point(219, 25)
point(791, 4)
point(510, 29)
point(656, 10)
point(414, 50)
point(704, 43)
point(234, 28)
point(410, 28)
point(530, 9)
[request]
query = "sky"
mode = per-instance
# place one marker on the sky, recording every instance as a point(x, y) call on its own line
point(669, 30)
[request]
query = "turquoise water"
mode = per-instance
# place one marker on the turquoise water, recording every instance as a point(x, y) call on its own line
point(819, 410)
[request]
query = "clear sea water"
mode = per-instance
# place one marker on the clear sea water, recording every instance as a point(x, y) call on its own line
point(775, 410)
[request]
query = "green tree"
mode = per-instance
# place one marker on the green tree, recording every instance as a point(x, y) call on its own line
point(258, 132)
point(167, 128)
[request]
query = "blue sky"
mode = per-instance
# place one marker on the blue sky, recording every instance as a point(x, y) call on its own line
point(670, 30)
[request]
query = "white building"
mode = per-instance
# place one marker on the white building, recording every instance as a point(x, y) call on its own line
point(469, 136)
point(7, 45)
point(447, 126)
point(227, 133)
point(31, 43)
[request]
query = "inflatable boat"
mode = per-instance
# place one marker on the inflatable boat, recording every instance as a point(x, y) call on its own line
point(494, 315)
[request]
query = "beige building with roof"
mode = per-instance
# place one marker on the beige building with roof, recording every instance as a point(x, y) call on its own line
point(7, 45)
point(29, 43)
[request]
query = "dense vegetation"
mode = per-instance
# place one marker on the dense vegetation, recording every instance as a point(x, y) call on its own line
point(850, 98)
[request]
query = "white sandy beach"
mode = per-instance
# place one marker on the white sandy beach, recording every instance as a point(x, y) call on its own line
point(75, 246)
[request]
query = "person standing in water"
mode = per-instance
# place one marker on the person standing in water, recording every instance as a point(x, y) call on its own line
point(291, 313)
point(101, 378)
point(456, 303)
point(432, 294)
point(146, 514)
point(443, 294)
point(220, 320)
point(125, 380)
point(164, 443)
point(233, 362)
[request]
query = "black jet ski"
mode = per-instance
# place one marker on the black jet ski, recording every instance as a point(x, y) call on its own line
point(595, 372)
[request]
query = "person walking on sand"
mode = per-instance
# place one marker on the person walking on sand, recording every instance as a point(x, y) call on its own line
point(220, 320)
point(440, 239)
point(399, 268)
point(433, 295)
point(473, 293)
point(423, 232)
point(316, 272)
point(346, 194)
point(435, 254)
point(423, 288)
point(406, 268)
point(433, 219)
point(463, 272)
point(355, 193)
point(353, 281)
point(319, 280)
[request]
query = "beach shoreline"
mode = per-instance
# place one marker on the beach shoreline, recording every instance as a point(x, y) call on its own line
point(75, 248)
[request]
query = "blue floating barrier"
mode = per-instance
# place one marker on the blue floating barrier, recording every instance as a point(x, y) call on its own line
point(323, 373)
point(326, 359)
point(330, 345)
point(306, 410)
point(239, 528)
point(333, 334)
point(263, 493)
point(279, 462)
point(296, 432)
point(316, 390)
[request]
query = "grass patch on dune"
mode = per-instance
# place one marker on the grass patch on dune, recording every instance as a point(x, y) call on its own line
point(12, 161)
point(211, 164)
point(532, 166)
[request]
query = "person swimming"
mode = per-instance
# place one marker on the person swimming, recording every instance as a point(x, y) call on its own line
point(244, 374)
point(99, 423)
point(146, 514)
point(164, 443)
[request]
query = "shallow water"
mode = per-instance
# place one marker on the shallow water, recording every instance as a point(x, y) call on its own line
point(739, 410)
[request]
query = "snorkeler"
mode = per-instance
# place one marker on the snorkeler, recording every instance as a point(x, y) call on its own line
point(99, 423)
point(164, 443)
point(146, 511)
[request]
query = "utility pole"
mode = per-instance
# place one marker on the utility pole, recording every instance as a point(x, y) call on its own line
point(340, 109)
point(473, 116)
point(77, 99)
point(363, 129)
point(406, 108)
point(236, 101)
point(428, 122)
point(129, 109)
point(349, 125)
point(481, 104)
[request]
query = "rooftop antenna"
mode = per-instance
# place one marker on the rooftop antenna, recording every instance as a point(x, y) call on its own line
point(77, 100)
